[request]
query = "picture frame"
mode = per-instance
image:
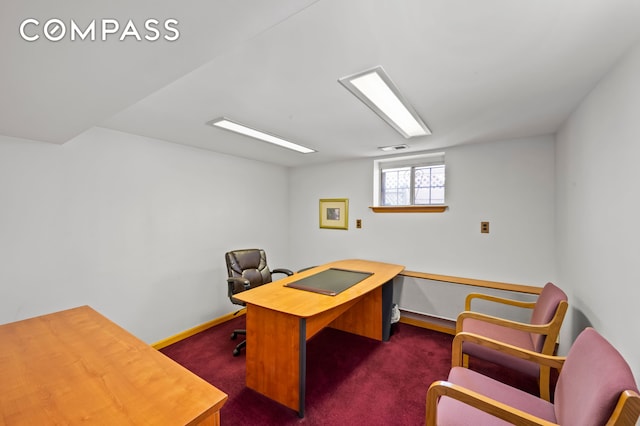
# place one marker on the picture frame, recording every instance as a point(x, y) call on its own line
point(334, 213)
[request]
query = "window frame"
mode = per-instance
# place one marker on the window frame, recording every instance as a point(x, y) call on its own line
point(413, 162)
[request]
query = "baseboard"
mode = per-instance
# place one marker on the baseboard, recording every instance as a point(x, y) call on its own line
point(197, 329)
point(423, 321)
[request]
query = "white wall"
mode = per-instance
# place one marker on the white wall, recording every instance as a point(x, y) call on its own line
point(510, 184)
point(598, 201)
point(136, 228)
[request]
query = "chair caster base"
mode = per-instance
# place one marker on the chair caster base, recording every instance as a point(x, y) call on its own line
point(237, 349)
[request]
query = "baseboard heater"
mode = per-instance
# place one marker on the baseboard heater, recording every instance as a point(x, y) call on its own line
point(430, 322)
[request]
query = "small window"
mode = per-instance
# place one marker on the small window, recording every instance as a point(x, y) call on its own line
point(410, 181)
point(417, 185)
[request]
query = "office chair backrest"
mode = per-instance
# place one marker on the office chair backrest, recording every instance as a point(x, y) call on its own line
point(544, 311)
point(591, 381)
point(250, 264)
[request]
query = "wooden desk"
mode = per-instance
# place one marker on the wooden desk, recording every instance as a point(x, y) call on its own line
point(281, 319)
point(77, 367)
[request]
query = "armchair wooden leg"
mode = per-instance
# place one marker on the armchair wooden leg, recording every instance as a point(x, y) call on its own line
point(545, 382)
point(432, 406)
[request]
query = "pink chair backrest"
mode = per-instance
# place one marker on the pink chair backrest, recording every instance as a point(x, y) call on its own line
point(546, 306)
point(591, 381)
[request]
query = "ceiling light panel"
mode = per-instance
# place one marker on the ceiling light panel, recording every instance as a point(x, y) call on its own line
point(377, 91)
point(225, 123)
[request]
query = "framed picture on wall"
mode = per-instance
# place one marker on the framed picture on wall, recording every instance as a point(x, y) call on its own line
point(334, 213)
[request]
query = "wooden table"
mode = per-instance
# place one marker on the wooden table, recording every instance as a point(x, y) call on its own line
point(77, 367)
point(281, 319)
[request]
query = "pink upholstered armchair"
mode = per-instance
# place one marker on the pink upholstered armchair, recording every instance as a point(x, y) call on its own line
point(539, 335)
point(595, 387)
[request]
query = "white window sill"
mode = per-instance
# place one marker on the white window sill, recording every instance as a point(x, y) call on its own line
point(409, 209)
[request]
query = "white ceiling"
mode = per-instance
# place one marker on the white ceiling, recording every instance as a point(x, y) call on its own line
point(475, 70)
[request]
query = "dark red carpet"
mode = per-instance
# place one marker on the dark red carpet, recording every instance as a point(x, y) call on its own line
point(351, 380)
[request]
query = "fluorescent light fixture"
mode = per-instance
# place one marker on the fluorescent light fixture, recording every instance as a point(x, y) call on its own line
point(227, 124)
point(377, 91)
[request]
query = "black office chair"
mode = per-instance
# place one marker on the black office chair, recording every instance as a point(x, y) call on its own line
point(247, 269)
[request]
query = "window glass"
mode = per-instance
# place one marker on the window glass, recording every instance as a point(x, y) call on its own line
point(417, 180)
point(396, 186)
point(429, 185)
point(414, 185)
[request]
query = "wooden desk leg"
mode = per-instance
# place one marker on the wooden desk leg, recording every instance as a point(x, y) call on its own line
point(277, 344)
point(302, 380)
point(276, 356)
point(387, 304)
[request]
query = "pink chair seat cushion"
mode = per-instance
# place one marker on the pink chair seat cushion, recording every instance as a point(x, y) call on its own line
point(455, 413)
point(517, 338)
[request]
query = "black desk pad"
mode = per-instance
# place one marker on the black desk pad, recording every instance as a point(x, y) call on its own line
point(331, 281)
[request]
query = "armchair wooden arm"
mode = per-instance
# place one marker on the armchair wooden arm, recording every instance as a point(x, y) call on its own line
point(552, 328)
point(479, 401)
point(496, 299)
point(531, 328)
point(627, 410)
point(550, 361)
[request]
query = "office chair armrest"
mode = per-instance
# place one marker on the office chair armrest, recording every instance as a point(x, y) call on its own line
point(237, 285)
point(285, 271)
